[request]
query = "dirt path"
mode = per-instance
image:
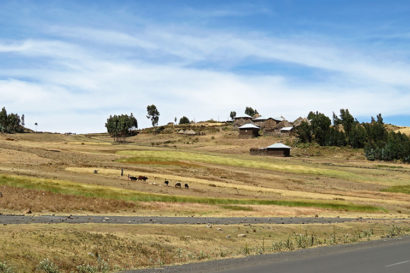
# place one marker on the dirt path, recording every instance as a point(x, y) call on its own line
point(25, 219)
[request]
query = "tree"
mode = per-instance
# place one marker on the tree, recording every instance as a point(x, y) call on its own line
point(9, 123)
point(357, 137)
point(121, 126)
point(184, 120)
point(320, 125)
point(153, 114)
point(250, 111)
point(232, 114)
point(3, 120)
point(304, 132)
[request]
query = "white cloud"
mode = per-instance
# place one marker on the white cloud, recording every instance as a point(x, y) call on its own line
point(82, 85)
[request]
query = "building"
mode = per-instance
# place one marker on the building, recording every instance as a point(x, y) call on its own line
point(249, 130)
point(277, 149)
point(286, 130)
point(241, 120)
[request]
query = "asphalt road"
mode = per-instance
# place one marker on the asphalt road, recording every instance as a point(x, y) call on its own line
point(384, 256)
point(74, 219)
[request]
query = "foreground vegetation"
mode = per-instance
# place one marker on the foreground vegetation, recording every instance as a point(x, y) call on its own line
point(107, 248)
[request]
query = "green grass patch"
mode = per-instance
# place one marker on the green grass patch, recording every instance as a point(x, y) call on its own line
point(233, 207)
point(402, 189)
point(87, 190)
point(140, 156)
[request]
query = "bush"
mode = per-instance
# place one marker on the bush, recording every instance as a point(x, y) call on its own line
point(48, 266)
point(86, 268)
point(184, 120)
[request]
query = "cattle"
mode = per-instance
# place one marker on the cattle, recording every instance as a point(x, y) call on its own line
point(132, 178)
point(166, 183)
point(1, 194)
point(178, 185)
point(186, 186)
point(142, 177)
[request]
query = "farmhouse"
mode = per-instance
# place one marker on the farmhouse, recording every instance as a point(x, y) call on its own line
point(277, 149)
point(248, 130)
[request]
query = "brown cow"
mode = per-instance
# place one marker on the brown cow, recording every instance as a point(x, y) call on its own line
point(178, 185)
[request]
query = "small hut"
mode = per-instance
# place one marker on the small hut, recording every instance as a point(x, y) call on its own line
point(248, 130)
point(278, 149)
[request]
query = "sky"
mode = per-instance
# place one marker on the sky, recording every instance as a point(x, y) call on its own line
point(69, 65)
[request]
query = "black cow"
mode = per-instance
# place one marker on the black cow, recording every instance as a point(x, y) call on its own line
point(178, 185)
point(132, 178)
point(142, 177)
point(166, 183)
point(186, 186)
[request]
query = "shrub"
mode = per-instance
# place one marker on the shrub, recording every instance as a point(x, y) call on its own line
point(48, 266)
point(4, 268)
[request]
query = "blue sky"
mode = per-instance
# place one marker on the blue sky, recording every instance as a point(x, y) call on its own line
point(68, 65)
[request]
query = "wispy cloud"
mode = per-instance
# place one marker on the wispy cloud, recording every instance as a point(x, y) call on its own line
point(75, 76)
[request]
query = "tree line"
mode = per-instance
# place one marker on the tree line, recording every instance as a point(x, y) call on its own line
point(121, 126)
point(11, 123)
point(377, 141)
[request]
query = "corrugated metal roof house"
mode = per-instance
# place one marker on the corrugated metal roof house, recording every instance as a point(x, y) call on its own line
point(249, 130)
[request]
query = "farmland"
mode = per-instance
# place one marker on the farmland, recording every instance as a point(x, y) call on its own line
point(43, 173)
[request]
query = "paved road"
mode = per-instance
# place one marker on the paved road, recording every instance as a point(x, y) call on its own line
point(385, 256)
point(24, 219)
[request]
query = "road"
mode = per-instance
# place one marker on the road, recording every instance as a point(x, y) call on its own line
point(75, 219)
point(383, 256)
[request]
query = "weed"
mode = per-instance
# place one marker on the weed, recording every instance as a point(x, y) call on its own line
point(86, 268)
point(246, 250)
point(48, 266)
point(4, 268)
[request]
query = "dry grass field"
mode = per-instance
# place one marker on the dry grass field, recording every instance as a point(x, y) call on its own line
point(36, 170)
point(81, 174)
point(110, 247)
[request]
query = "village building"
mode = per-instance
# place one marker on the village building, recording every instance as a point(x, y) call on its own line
point(249, 130)
point(287, 130)
point(266, 124)
point(277, 149)
point(241, 120)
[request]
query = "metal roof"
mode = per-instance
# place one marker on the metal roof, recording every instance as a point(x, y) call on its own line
point(244, 116)
point(278, 145)
point(260, 118)
point(287, 128)
point(249, 126)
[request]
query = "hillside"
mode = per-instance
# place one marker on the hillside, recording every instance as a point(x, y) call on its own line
point(42, 173)
point(214, 165)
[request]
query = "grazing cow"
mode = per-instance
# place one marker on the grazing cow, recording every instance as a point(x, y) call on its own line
point(142, 177)
point(132, 178)
point(166, 183)
point(186, 186)
point(178, 185)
